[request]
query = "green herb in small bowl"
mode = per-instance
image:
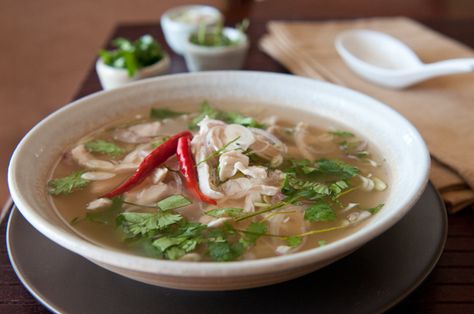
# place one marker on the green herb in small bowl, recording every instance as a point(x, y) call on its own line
point(133, 56)
point(215, 36)
point(217, 48)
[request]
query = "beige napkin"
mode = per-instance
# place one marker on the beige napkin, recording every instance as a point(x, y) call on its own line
point(442, 109)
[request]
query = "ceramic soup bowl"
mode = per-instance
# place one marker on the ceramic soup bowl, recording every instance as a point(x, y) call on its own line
point(393, 136)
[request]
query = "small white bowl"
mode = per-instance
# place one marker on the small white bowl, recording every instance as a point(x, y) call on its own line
point(202, 58)
point(392, 135)
point(177, 32)
point(111, 77)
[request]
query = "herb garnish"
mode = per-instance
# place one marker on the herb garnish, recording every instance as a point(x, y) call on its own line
point(228, 117)
point(163, 113)
point(103, 147)
point(67, 185)
point(225, 212)
point(133, 56)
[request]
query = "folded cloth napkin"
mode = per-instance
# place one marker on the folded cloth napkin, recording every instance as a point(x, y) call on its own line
point(442, 109)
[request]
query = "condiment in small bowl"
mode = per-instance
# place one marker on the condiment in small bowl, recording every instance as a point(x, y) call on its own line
point(179, 22)
point(229, 55)
point(131, 61)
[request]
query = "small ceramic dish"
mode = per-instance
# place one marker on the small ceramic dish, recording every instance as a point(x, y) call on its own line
point(404, 150)
point(111, 77)
point(232, 57)
point(178, 23)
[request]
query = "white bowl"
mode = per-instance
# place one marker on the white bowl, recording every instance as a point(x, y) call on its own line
point(397, 140)
point(201, 58)
point(111, 77)
point(177, 32)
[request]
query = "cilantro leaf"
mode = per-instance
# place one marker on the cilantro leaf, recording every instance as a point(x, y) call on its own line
point(224, 212)
point(173, 245)
point(224, 251)
point(205, 110)
point(133, 56)
point(320, 211)
point(341, 133)
point(322, 242)
point(237, 118)
point(67, 185)
point(336, 168)
point(173, 202)
point(294, 241)
point(375, 209)
point(253, 232)
point(145, 224)
point(103, 147)
point(163, 113)
point(227, 117)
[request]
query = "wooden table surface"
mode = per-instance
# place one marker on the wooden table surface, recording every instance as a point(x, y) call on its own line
point(449, 288)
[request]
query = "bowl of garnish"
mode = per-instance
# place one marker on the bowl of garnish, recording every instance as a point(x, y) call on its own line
point(217, 48)
point(179, 22)
point(218, 180)
point(131, 61)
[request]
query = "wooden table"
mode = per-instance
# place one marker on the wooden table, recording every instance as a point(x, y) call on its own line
point(450, 287)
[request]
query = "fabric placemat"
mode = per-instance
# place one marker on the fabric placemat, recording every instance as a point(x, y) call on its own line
point(442, 109)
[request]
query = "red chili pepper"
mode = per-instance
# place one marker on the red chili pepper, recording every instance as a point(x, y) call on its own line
point(158, 156)
point(188, 170)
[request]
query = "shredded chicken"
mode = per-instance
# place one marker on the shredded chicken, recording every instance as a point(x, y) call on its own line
point(149, 195)
point(85, 159)
point(139, 133)
point(99, 203)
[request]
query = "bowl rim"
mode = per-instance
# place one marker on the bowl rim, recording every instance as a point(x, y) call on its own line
point(167, 16)
point(124, 260)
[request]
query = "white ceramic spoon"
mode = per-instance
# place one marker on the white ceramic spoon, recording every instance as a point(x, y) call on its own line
point(386, 61)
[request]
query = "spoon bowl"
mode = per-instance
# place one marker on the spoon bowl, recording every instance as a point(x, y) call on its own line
point(384, 60)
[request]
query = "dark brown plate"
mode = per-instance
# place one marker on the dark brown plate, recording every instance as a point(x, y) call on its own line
point(372, 279)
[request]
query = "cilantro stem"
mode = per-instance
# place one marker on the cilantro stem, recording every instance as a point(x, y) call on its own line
point(277, 213)
point(267, 209)
point(218, 152)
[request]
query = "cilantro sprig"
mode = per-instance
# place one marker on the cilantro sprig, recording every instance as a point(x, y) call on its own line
point(68, 184)
point(228, 117)
point(104, 147)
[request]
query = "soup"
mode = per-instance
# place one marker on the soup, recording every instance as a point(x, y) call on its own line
point(207, 184)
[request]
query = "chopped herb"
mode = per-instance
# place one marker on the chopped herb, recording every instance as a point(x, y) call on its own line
point(67, 185)
point(184, 240)
point(145, 224)
point(133, 56)
point(223, 251)
point(103, 147)
point(341, 133)
point(362, 154)
point(294, 241)
point(224, 212)
point(173, 202)
point(320, 211)
point(221, 247)
point(163, 113)
point(254, 231)
point(375, 209)
point(322, 242)
point(228, 117)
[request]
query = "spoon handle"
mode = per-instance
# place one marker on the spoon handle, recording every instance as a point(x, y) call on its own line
point(451, 66)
